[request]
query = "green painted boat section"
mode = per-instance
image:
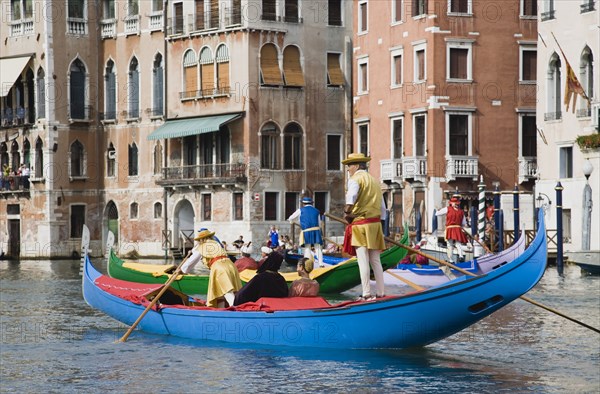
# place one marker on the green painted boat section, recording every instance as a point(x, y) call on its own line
point(341, 278)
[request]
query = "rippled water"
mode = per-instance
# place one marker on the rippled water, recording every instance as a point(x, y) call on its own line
point(51, 341)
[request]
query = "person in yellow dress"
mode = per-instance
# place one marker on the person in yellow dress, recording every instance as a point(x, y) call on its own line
point(364, 211)
point(224, 279)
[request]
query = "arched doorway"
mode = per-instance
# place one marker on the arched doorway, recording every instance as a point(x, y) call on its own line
point(111, 215)
point(183, 225)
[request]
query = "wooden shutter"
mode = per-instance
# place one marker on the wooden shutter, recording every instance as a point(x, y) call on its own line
point(208, 79)
point(269, 65)
point(334, 72)
point(223, 77)
point(191, 81)
point(397, 69)
point(199, 14)
point(292, 70)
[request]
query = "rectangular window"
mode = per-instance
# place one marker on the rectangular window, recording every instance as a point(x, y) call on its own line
point(362, 17)
point(334, 13)
point(419, 74)
point(335, 77)
point(334, 154)
point(75, 9)
point(566, 219)
point(109, 9)
point(419, 7)
point(321, 201)
point(178, 18)
point(459, 6)
point(238, 206)
point(396, 68)
point(458, 135)
point(529, 134)
point(363, 138)
point(529, 7)
point(458, 63)
point(77, 220)
point(291, 11)
point(207, 207)
point(566, 162)
point(528, 65)
point(291, 203)
point(15, 9)
point(271, 205)
point(397, 138)
point(157, 5)
point(363, 76)
point(133, 7)
point(269, 10)
point(200, 15)
point(419, 125)
point(397, 10)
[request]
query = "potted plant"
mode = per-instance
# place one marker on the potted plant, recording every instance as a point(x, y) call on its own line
point(586, 142)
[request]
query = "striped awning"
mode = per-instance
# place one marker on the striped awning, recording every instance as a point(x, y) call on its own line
point(193, 126)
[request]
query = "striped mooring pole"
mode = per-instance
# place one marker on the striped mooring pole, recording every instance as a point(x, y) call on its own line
point(516, 213)
point(481, 216)
point(559, 228)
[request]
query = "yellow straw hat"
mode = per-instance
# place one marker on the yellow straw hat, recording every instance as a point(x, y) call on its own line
point(204, 234)
point(354, 158)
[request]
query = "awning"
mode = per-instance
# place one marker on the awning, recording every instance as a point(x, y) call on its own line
point(10, 69)
point(185, 127)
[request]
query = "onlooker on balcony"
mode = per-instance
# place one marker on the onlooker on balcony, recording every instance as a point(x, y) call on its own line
point(20, 115)
point(8, 116)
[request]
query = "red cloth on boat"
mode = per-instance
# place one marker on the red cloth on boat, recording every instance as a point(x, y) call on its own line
point(246, 263)
point(348, 248)
point(283, 304)
point(130, 291)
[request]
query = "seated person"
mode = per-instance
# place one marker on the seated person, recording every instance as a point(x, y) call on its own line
point(265, 251)
point(246, 262)
point(238, 243)
point(304, 287)
point(224, 279)
point(414, 258)
point(267, 282)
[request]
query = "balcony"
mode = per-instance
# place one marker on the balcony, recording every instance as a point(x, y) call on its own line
point(203, 175)
point(584, 112)
point(14, 186)
point(155, 21)
point(527, 169)
point(77, 26)
point(391, 170)
point(415, 167)
point(461, 167)
point(132, 24)
point(108, 28)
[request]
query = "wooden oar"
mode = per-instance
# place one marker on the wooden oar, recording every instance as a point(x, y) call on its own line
point(408, 282)
point(155, 300)
point(487, 250)
point(390, 240)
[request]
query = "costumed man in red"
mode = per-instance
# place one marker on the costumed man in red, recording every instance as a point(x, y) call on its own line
point(455, 221)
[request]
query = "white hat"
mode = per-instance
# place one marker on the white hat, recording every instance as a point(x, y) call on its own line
point(246, 249)
point(266, 250)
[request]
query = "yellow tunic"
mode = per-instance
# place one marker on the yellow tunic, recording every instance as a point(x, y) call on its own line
point(224, 277)
point(367, 205)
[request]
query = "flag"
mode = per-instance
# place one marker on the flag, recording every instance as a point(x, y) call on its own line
point(572, 86)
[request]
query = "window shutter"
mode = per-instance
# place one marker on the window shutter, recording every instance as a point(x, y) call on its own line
point(191, 81)
point(208, 79)
point(223, 77)
point(292, 70)
point(269, 66)
point(334, 72)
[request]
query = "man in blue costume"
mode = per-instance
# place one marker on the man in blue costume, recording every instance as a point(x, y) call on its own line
point(310, 222)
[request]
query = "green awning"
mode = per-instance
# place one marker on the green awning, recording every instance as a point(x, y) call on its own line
point(186, 127)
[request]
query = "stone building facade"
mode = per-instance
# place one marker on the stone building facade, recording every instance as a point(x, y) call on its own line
point(153, 119)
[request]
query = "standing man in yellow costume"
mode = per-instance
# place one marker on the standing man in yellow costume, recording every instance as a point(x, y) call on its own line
point(224, 280)
point(363, 211)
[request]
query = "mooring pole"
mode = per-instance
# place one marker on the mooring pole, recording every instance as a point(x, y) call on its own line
point(516, 212)
point(481, 217)
point(497, 217)
point(559, 229)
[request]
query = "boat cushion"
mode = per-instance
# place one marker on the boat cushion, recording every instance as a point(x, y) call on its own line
point(284, 304)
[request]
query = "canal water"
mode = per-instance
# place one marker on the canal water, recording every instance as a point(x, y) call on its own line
point(52, 342)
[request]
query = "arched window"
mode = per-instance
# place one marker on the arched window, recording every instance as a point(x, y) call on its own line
point(270, 74)
point(157, 86)
point(292, 68)
point(158, 153)
point(41, 94)
point(134, 89)
point(157, 210)
point(4, 156)
point(207, 72)
point(586, 79)
point(222, 69)
point(269, 141)
point(133, 210)
point(26, 152)
point(77, 165)
point(111, 160)
point(30, 115)
point(553, 90)
point(110, 87)
point(39, 158)
point(190, 72)
point(15, 156)
point(112, 217)
point(77, 78)
point(292, 147)
point(133, 160)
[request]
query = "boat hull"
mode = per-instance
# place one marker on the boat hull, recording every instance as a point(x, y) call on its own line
point(414, 320)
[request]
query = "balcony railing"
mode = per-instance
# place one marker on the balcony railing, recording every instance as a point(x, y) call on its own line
point(391, 170)
point(204, 174)
point(552, 116)
point(527, 168)
point(176, 25)
point(132, 24)
point(414, 167)
point(14, 183)
point(108, 28)
point(77, 26)
point(17, 117)
point(461, 167)
point(584, 112)
point(155, 21)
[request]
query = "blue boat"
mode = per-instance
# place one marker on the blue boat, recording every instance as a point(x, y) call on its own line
point(406, 321)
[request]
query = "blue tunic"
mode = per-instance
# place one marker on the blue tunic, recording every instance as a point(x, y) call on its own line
point(309, 217)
